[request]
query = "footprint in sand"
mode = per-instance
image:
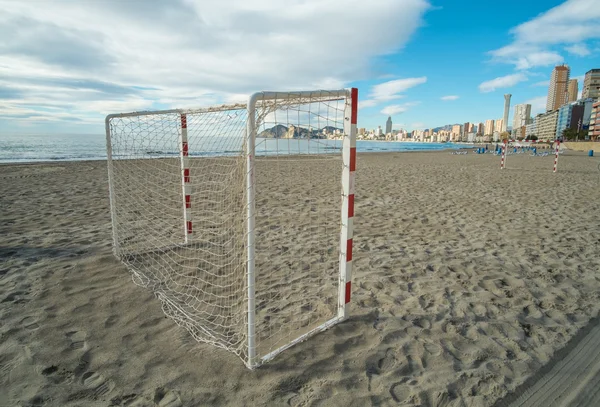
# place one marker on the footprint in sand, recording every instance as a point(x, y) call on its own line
point(167, 398)
point(30, 323)
point(110, 321)
point(8, 362)
point(403, 395)
point(97, 383)
point(131, 400)
point(77, 340)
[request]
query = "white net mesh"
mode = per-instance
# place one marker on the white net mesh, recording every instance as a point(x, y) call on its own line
point(298, 183)
point(199, 272)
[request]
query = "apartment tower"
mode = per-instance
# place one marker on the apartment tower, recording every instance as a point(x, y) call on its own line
point(591, 84)
point(506, 111)
point(388, 125)
point(558, 89)
point(522, 115)
point(573, 90)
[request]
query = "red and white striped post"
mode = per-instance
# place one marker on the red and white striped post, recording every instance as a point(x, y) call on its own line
point(347, 232)
point(185, 179)
point(556, 155)
point(503, 159)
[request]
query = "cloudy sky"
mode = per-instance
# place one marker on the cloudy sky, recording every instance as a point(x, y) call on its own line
point(66, 64)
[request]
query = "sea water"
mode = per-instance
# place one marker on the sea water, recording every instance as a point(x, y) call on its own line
point(17, 148)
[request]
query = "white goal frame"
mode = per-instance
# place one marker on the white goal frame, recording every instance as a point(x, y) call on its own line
point(347, 181)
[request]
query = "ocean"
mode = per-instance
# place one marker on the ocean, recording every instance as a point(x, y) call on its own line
point(19, 148)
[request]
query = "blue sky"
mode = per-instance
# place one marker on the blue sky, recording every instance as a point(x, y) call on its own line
point(426, 63)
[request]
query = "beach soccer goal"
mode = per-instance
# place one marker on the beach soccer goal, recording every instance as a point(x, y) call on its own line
point(240, 218)
point(505, 152)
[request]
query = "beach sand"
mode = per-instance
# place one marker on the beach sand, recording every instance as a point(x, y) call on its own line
point(467, 279)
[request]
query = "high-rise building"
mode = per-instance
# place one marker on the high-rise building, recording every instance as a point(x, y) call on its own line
point(558, 89)
point(456, 132)
point(591, 84)
point(481, 129)
point(570, 116)
point(531, 129)
point(499, 125)
point(506, 111)
point(546, 125)
point(522, 115)
point(388, 125)
point(572, 90)
point(489, 128)
point(594, 130)
point(465, 129)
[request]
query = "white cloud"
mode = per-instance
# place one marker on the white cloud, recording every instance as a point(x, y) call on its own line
point(366, 103)
point(391, 90)
point(502, 82)
point(542, 83)
point(538, 104)
point(573, 21)
point(191, 51)
point(394, 109)
point(449, 97)
point(581, 50)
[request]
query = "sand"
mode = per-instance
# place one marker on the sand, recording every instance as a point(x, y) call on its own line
point(467, 280)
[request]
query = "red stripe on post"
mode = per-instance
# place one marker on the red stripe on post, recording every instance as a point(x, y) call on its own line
point(354, 95)
point(183, 121)
point(349, 250)
point(188, 201)
point(186, 175)
point(184, 147)
point(348, 291)
point(350, 205)
point(189, 227)
point(352, 159)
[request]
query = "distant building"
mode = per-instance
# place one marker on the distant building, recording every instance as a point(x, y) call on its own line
point(572, 90)
point(388, 125)
point(591, 84)
point(506, 111)
point(522, 115)
point(456, 131)
point(594, 129)
point(499, 125)
point(489, 127)
point(362, 131)
point(546, 125)
point(379, 131)
point(481, 129)
point(558, 89)
point(465, 129)
point(531, 129)
point(570, 116)
point(587, 110)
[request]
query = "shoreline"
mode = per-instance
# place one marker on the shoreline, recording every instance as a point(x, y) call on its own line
point(5, 163)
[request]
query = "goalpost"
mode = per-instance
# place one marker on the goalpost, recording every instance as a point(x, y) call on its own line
point(505, 153)
point(240, 217)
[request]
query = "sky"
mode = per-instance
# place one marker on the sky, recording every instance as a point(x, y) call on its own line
point(66, 64)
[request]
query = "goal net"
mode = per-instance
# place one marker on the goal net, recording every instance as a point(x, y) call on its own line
point(239, 218)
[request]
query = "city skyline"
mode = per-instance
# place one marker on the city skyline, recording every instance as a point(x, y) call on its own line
point(71, 66)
